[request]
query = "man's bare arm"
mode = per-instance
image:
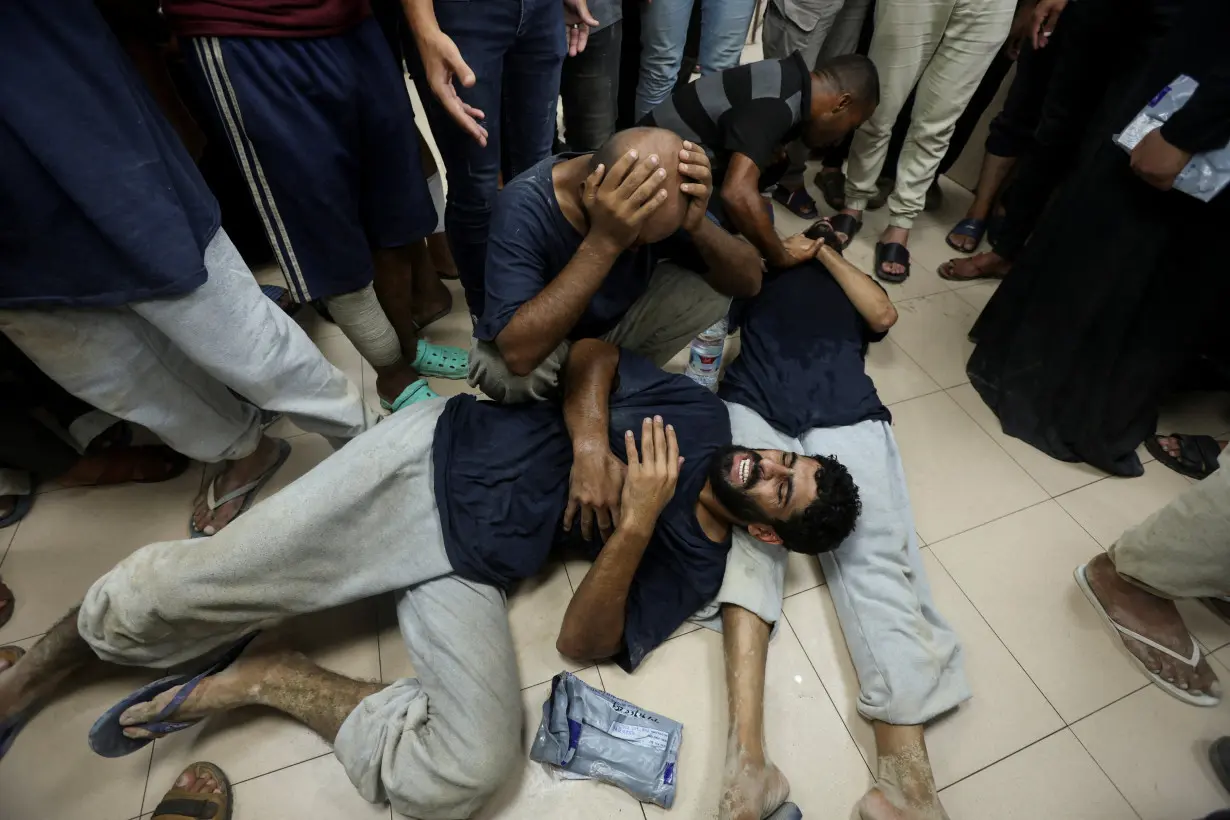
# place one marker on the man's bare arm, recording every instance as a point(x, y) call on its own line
point(593, 626)
point(597, 477)
point(746, 209)
point(734, 265)
point(868, 297)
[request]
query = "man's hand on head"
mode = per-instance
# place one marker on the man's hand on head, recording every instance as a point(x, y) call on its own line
point(594, 491)
point(618, 200)
point(694, 166)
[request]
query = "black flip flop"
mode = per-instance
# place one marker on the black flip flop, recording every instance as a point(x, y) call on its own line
point(892, 252)
point(1197, 454)
point(1219, 756)
point(844, 223)
point(832, 187)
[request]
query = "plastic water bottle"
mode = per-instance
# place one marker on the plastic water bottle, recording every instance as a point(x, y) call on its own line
point(705, 359)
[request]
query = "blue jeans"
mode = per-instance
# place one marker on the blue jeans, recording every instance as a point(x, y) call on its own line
point(516, 49)
point(664, 28)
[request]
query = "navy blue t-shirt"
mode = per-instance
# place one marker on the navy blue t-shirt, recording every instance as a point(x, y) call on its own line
point(801, 360)
point(502, 486)
point(531, 241)
point(100, 203)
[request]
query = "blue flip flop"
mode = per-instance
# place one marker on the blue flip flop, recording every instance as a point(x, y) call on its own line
point(442, 361)
point(787, 811)
point(107, 736)
point(969, 228)
point(414, 393)
point(20, 507)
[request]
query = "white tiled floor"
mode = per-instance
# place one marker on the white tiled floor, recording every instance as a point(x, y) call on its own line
point(1060, 725)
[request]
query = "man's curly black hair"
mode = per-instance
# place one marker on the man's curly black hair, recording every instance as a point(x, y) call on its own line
point(828, 520)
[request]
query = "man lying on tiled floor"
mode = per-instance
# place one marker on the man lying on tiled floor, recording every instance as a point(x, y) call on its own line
point(447, 503)
point(799, 384)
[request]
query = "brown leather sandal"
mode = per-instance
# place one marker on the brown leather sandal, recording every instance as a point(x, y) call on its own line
point(178, 804)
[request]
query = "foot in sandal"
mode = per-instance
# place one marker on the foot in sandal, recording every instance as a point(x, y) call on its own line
point(248, 472)
point(1191, 455)
point(201, 790)
point(988, 265)
point(1156, 619)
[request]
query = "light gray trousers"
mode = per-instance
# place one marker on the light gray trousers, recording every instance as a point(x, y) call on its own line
point(908, 659)
point(678, 305)
point(166, 364)
point(1183, 549)
point(362, 523)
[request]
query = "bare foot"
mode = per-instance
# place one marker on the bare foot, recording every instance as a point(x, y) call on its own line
point(987, 265)
point(876, 805)
point(233, 476)
point(240, 684)
point(751, 791)
point(197, 781)
point(1157, 618)
point(901, 236)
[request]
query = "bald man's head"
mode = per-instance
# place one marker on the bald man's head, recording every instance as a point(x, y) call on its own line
point(649, 142)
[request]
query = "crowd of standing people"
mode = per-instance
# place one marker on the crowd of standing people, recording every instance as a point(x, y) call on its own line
point(152, 153)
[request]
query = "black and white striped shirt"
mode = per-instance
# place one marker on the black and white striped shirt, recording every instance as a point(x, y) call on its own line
point(750, 109)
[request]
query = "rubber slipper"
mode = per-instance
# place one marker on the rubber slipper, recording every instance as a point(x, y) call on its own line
point(1118, 631)
point(442, 361)
point(847, 224)
point(248, 491)
point(11, 726)
point(945, 271)
point(1219, 757)
point(797, 202)
point(277, 294)
point(178, 804)
point(9, 601)
point(20, 507)
point(832, 187)
point(969, 228)
point(1198, 455)
point(787, 811)
point(892, 252)
point(107, 736)
point(414, 393)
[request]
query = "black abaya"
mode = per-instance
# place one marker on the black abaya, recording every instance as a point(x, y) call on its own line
point(1121, 283)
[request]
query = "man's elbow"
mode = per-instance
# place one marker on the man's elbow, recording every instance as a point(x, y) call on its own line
point(885, 319)
point(519, 361)
point(582, 648)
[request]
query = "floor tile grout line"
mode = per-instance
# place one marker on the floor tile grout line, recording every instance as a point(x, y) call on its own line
point(1015, 460)
point(829, 695)
point(920, 395)
point(939, 541)
point(1106, 774)
point(999, 760)
point(149, 773)
point(1002, 642)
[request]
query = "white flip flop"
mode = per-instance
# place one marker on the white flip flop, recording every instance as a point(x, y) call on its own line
point(1118, 630)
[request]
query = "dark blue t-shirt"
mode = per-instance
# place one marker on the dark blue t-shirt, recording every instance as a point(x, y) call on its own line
point(100, 203)
point(531, 241)
point(502, 486)
point(801, 356)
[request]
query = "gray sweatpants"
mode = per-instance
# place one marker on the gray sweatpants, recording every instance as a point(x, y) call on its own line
point(362, 523)
point(166, 364)
point(907, 657)
point(678, 305)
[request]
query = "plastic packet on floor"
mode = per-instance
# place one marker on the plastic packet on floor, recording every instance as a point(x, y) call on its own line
point(1206, 174)
point(590, 734)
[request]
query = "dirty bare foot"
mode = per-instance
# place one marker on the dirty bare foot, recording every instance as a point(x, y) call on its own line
point(241, 684)
point(986, 265)
point(876, 805)
point(905, 786)
point(1156, 618)
point(233, 476)
point(751, 789)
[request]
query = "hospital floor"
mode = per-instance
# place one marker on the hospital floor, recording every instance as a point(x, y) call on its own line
point(1060, 726)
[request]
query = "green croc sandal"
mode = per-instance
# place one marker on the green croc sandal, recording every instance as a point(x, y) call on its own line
point(416, 392)
point(442, 361)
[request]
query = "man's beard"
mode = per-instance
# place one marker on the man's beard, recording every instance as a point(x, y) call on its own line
point(735, 499)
